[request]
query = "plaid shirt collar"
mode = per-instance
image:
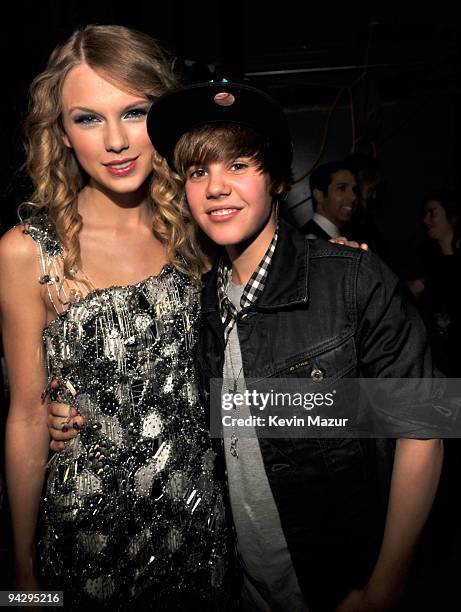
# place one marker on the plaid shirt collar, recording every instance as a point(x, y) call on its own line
point(251, 292)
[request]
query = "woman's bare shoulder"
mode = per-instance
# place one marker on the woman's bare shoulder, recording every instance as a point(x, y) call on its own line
point(15, 245)
point(18, 254)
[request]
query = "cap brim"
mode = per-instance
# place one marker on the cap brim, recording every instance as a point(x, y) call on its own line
point(182, 110)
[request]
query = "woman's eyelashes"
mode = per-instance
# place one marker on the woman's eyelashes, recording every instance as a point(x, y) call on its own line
point(85, 119)
point(137, 114)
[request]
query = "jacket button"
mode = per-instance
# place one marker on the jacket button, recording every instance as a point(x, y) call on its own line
point(317, 374)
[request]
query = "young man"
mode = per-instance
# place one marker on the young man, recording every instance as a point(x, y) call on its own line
point(334, 198)
point(371, 183)
point(307, 512)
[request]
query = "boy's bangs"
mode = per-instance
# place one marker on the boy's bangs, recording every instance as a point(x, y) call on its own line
point(213, 144)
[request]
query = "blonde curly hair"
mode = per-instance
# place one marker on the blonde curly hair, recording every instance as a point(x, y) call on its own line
point(134, 61)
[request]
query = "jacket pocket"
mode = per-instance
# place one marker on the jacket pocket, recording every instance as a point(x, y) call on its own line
point(323, 363)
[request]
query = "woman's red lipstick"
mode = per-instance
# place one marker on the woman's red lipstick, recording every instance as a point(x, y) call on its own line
point(121, 167)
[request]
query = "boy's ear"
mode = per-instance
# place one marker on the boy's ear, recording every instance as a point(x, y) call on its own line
point(277, 189)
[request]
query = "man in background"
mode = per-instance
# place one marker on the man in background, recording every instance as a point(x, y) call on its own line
point(333, 188)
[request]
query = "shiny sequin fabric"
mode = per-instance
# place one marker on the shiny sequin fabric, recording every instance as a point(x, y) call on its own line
point(133, 513)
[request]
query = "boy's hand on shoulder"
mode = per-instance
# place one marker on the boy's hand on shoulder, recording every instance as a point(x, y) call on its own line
point(350, 243)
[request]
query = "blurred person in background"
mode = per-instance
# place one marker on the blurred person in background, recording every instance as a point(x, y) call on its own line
point(362, 226)
point(435, 287)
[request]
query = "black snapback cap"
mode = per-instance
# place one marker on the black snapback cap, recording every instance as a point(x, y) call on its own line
point(184, 109)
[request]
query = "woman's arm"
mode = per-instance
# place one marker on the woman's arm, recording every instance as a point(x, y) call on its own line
point(23, 317)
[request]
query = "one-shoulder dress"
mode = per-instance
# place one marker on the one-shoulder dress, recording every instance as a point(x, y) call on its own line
point(133, 513)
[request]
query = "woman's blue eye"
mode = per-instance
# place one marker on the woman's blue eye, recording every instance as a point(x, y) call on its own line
point(86, 119)
point(136, 113)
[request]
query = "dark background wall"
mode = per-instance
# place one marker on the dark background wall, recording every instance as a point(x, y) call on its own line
point(418, 150)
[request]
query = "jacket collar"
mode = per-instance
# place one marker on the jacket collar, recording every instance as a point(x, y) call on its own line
point(287, 281)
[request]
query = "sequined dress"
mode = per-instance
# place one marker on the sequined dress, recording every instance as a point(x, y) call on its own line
point(132, 514)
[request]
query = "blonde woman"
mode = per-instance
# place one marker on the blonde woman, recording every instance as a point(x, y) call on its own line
point(99, 288)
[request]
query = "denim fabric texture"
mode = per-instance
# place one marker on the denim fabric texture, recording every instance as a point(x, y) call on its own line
point(338, 310)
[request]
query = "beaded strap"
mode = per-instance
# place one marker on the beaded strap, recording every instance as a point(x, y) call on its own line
point(61, 291)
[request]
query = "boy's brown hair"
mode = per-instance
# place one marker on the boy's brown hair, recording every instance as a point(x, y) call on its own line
point(220, 142)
